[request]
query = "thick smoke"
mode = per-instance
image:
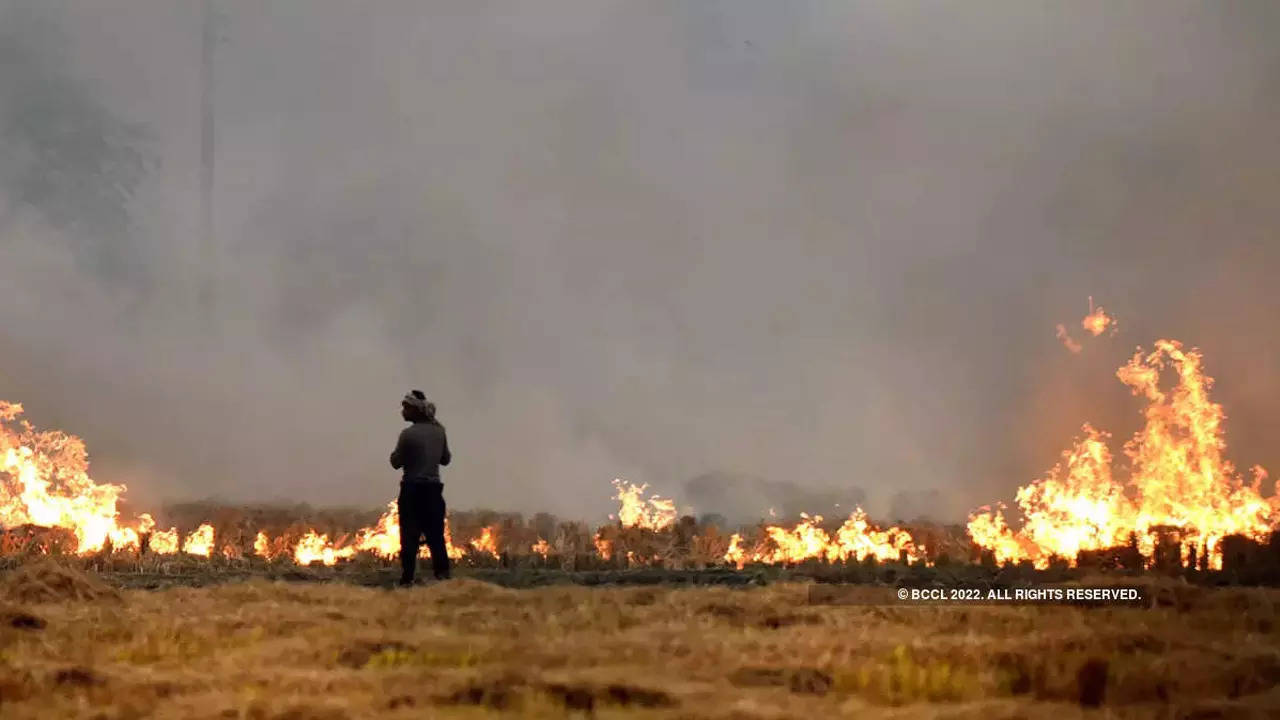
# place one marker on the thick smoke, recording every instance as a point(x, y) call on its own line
point(817, 243)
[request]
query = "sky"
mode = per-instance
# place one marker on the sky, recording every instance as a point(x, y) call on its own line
point(822, 244)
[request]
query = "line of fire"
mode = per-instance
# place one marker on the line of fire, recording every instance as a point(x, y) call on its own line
point(1180, 506)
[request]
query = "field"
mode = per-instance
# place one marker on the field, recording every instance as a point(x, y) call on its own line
point(75, 643)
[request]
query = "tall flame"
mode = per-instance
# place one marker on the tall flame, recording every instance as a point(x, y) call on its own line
point(486, 543)
point(45, 482)
point(657, 513)
point(262, 546)
point(1178, 479)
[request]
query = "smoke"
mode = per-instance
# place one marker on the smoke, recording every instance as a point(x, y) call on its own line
point(819, 243)
point(743, 499)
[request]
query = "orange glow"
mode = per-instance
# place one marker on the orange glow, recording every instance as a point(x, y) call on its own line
point(604, 546)
point(164, 542)
point(1176, 482)
point(486, 543)
point(199, 542)
point(45, 481)
point(1097, 321)
point(655, 514)
point(1178, 479)
point(542, 548)
point(262, 546)
point(856, 539)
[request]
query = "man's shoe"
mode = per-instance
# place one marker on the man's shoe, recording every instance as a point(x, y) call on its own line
point(405, 583)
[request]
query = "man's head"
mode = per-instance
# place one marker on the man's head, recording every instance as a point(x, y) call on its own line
point(415, 407)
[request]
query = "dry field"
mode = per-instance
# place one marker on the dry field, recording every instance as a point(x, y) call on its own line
point(74, 646)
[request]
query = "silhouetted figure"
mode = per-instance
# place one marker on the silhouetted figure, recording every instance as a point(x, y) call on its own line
point(421, 450)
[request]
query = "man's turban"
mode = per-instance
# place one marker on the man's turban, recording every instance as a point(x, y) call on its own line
point(418, 401)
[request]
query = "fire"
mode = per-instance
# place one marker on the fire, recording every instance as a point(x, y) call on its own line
point(46, 482)
point(1178, 479)
point(454, 552)
point(604, 546)
point(314, 547)
point(658, 514)
point(1176, 484)
point(164, 542)
point(542, 548)
point(199, 542)
point(382, 540)
point(127, 538)
point(735, 554)
point(1097, 321)
point(856, 539)
point(262, 546)
point(486, 543)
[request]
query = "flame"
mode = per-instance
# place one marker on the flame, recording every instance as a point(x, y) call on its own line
point(856, 539)
point(164, 542)
point(382, 540)
point(1178, 484)
point(1178, 479)
point(604, 546)
point(1097, 321)
point(46, 482)
point(130, 538)
point(262, 546)
point(454, 552)
point(313, 547)
point(199, 542)
point(486, 543)
point(658, 514)
point(735, 554)
point(542, 548)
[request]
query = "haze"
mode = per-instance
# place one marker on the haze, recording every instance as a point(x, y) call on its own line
point(820, 243)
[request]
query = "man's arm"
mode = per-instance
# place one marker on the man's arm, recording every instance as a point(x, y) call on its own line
point(445, 455)
point(397, 457)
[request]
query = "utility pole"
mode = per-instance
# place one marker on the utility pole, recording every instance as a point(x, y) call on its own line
point(208, 254)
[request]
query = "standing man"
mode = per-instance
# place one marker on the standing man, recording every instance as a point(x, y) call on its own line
point(420, 451)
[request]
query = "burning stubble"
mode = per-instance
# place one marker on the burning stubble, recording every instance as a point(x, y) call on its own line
point(1178, 479)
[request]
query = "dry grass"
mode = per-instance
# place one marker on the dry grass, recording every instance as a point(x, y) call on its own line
point(469, 649)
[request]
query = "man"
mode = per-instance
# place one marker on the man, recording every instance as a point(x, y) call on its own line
point(421, 450)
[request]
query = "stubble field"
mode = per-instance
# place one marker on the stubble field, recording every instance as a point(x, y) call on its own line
point(74, 644)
